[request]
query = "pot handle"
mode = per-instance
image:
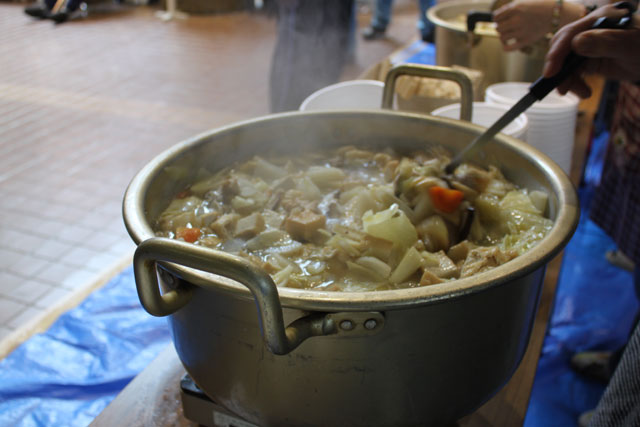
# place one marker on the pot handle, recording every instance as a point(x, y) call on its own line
point(475, 16)
point(434, 72)
point(278, 339)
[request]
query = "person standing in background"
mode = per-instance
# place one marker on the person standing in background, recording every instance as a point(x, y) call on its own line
point(314, 41)
point(382, 17)
point(616, 204)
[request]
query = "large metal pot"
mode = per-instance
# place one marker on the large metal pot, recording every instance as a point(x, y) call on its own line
point(422, 356)
point(481, 50)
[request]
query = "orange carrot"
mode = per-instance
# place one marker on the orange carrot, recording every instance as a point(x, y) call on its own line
point(445, 199)
point(188, 234)
point(183, 194)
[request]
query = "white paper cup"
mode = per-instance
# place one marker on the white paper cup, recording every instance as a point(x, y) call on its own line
point(551, 121)
point(352, 94)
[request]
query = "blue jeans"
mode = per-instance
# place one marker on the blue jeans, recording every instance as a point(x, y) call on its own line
point(382, 16)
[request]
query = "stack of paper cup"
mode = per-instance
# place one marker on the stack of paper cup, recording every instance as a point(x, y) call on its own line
point(484, 114)
point(552, 121)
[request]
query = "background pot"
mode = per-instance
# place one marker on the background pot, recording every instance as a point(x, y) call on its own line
point(482, 51)
point(434, 353)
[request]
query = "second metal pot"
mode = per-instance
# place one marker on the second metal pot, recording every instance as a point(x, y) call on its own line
point(481, 50)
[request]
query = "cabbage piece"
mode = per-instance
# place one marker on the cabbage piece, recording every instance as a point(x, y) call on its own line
point(309, 190)
point(518, 200)
point(391, 224)
point(522, 242)
point(360, 272)
point(362, 202)
point(267, 170)
point(326, 176)
point(488, 208)
point(409, 264)
point(381, 268)
point(539, 199)
point(179, 213)
point(439, 264)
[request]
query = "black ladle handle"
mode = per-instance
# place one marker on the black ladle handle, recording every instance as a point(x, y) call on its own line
point(544, 85)
point(475, 16)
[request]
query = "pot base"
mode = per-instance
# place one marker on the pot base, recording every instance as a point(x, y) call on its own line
point(199, 408)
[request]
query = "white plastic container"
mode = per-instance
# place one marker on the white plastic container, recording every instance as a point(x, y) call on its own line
point(352, 94)
point(552, 121)
point(485, 114)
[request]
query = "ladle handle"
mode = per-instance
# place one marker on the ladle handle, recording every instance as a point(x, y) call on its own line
point(544, 85)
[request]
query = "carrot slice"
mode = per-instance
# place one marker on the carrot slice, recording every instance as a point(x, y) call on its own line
point(445, 199)
point(188, 234)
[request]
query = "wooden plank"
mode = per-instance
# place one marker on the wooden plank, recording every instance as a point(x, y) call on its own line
point(151, 399)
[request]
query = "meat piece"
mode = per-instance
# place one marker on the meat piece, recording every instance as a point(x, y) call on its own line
point(292, 199)
point(225, 225)
point(460, 251)
point(229, 189)
point(472, 176)
point(434, 233)
point(249, 226)
point(428, 278)
point(301, 225)
point(483, 259)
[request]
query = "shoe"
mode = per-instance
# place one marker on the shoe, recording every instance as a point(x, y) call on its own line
point(619, 259)
point(37, 11)
point(60, 17)
point(373, 33)
point(593, 365)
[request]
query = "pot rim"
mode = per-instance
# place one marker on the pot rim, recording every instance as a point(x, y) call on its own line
point(433, 15)
point(565, 224)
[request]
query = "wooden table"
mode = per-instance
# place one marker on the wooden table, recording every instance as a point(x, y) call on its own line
point(153, 397)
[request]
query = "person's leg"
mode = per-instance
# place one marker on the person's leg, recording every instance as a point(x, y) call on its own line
point(426, 27)
point(379, 21)
point(620, 404)
point(382, 15)
point(311, 49)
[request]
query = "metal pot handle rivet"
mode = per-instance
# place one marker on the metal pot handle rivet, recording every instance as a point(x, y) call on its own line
point(370, 324)
point(346, 325)
point(279, 340)
point(434, 72)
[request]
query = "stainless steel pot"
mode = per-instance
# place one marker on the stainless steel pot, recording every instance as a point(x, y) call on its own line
point(482, 50)
point(423, 356)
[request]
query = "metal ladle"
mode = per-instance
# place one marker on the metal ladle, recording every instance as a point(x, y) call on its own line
point(539, 89)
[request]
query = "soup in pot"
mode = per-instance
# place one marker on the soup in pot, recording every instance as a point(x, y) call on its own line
point(355, 220)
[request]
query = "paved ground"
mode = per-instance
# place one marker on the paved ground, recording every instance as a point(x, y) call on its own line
point(84, 105)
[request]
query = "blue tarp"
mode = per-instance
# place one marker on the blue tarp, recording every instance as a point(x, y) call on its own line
point(69, 374)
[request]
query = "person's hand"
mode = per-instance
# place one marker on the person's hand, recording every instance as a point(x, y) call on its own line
point(611, 53)
point(524, 22)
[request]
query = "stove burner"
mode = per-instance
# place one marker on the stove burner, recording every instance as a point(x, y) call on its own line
point(197, 407)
